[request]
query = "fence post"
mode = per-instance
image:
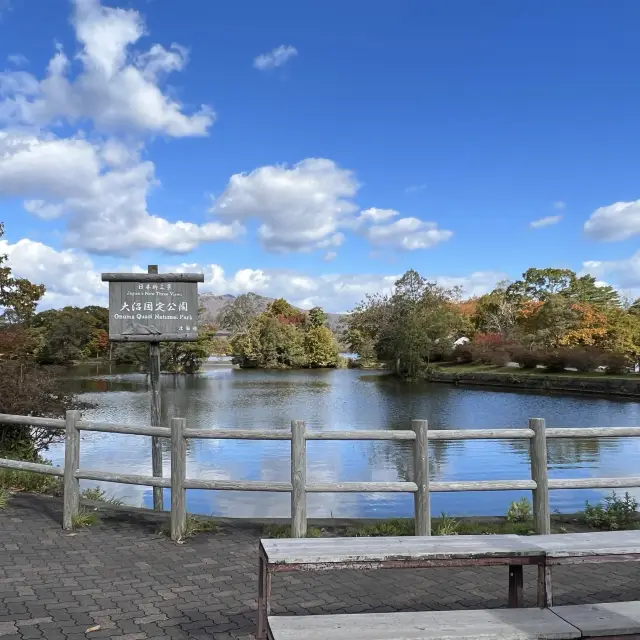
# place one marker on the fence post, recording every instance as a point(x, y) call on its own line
point(178, 476)
point(298, 479)
point(541, 515)
point(421, 497)
point(71, 500)
point(539, 475)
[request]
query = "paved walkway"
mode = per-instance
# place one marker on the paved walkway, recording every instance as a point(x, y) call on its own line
point(136, 584)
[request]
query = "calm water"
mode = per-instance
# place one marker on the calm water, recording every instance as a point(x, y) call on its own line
point(222, 397)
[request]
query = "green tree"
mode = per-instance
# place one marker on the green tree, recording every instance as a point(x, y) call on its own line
point(236, 317)
point(187, 357)
point(409, 327)
point(540, 284)
point(270, 343)
point(317, 317)
point(320, 348)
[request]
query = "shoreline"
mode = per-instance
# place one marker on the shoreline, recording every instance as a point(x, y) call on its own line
point(606, 385)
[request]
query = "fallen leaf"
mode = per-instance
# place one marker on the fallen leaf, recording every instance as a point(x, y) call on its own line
point(90, 629)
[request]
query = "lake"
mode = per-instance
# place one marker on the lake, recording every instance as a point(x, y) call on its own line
point(225, 397)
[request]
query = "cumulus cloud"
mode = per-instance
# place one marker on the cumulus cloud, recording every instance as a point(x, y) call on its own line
point(117, 88)
point(101, 190)
point(560, 205)
point(72, 278)
point(275, 58)
point(300, 208)
point(375, 215)
point(545, 222)
point(69, 276)
point(617, 221)
point(624, 273)
point(408, 234)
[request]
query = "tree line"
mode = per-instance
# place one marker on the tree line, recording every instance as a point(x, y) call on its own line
point(550, 317)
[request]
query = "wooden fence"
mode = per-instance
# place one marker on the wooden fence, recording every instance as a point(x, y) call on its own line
point(420, 486)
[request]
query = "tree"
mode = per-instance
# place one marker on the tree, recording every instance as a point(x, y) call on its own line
point(320, 348)
point(497, 313)
point(541, 284)
point(269, 343)
point(235, 317)
point(187, 357)
point(409, 327)
point(317, 317)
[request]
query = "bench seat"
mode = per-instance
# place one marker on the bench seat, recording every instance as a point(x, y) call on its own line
point(497, 624)
point(603, 620)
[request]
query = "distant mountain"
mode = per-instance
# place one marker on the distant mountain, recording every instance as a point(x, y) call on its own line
point(213, 304)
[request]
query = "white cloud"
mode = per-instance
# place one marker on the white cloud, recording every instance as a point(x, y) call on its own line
point(617, 221)
point(625, 274)
point(69, 276)
point(72, 278)
point(560, 205)
point(545, 222)
point(408, 233)
point(275, 58)
point(300, 208)
point(18, 59)
point(116, 88)
point(329, 256)
point(101, 189)
point(376, 216)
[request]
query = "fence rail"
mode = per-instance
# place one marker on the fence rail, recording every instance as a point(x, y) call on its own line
point(420, 485)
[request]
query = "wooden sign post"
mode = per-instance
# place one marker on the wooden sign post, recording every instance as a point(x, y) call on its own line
point(152, 307)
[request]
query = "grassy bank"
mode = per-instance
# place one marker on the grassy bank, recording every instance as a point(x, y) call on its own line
point(510, 371)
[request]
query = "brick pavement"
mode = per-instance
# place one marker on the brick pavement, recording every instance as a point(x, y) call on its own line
point(136, 584)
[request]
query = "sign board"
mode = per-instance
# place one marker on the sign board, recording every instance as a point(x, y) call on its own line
point(153, 308)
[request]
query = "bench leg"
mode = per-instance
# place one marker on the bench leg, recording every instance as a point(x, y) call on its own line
point(264, 599)
point(516, 581)
point(545, 589)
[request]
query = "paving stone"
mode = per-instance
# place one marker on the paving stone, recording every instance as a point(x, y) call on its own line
point(136, 584)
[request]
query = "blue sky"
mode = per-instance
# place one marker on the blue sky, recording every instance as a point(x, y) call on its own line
point(318, 150)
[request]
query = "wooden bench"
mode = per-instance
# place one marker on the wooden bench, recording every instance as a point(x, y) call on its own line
point(411, 552)
point(615, 621)
point(583, 548)
point(502, 624)
point(322, 554)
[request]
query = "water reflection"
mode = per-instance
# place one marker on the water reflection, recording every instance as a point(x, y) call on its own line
point(223, 397)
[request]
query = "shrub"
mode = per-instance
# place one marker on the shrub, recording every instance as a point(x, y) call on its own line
point(463, 353)
point(519, 511)
point(616, 363)
point(526, 358)
point(584, 359)
point(555, 361)
point(446, 526)
point(616, 513)
point(499, 357)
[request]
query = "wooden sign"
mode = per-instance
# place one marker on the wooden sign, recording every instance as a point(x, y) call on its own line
point(153, 307)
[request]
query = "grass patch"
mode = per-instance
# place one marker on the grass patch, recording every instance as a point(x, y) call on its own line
point(4, 498)
point(15, 480)
point(443, 526)
point(284, 531)
point(85, 519)
point(198, 525)
point(98, 495)
point(518, 371)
